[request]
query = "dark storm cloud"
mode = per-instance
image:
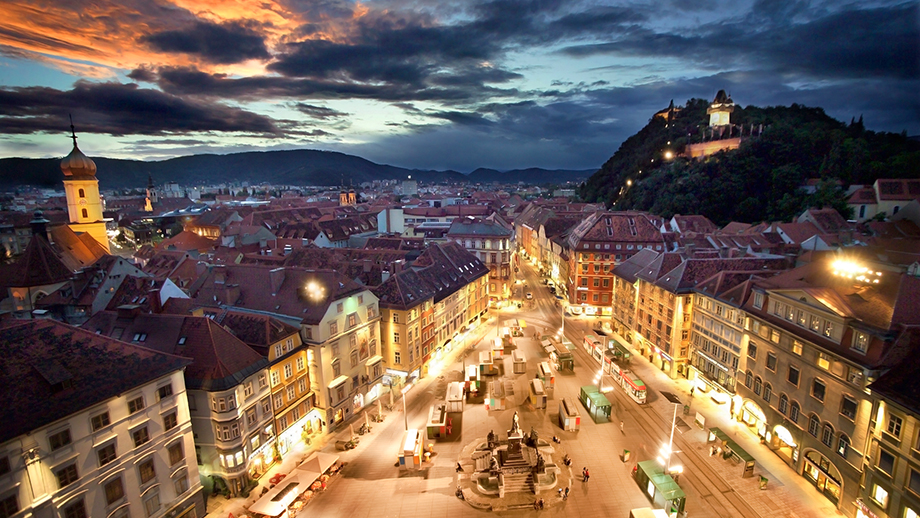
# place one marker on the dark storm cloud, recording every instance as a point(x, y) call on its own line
point(850, 43)
point(224, 43)
point(318, 112)
point(189, 81)
point(120, 109)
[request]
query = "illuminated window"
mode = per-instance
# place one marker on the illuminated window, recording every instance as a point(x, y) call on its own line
point(880, 495)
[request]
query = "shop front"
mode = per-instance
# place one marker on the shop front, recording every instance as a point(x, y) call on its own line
point(822, 473)
point(753, 416)
point(783, 443)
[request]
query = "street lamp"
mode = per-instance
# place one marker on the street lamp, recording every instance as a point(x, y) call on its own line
point(405, 412)
point(599, 379)
point(667, 451)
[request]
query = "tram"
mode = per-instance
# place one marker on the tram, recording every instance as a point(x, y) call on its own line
point(632, 385)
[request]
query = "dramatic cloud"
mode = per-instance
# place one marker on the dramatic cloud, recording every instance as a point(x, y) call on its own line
point(230, 42)
point(429, 83)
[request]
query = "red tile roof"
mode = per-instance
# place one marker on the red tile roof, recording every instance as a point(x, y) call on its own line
point(52, 370)
point(219, 359)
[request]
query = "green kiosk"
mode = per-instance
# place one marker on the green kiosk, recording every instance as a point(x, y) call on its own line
point(660, 487)
point(597, 403)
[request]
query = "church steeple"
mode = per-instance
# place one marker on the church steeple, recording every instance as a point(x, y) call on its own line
point(84, 204)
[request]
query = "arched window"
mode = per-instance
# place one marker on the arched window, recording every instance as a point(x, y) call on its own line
point(827, 436)
point(758, 385)
point(81, 193)
point(843, 445)
point(748, 379)
point(767, 392)
point(794, 412)
point(813, 425)
point(783, 404)
point(85, 214)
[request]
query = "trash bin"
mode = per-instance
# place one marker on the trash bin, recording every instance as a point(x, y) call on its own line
point(686, 409)
point(626, 454)
point(763, 482)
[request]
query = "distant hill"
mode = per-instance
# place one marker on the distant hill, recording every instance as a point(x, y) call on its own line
point(760, 180)
point(296, 167)
point(533, 175)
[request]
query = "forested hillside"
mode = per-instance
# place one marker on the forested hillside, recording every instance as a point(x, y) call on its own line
point(760, 180)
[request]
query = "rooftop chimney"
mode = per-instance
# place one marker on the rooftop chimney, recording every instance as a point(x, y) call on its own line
point(39, 225)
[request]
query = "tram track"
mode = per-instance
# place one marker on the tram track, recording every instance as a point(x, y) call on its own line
point(708, 494)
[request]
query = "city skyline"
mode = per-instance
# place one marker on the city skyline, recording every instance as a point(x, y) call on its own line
point(427, 84)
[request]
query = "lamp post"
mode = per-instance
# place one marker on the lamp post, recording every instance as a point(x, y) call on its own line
point(405, 412)
point(599, 379)
point(667, 452)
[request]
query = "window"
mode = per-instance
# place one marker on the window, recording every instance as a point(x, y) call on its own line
point(290, 392)
point(894, 425)
point(828, 328)
point(333, 328)
point(758, 385)
point(797, 347)
point(793, 376)
point(9, 506)
point(818, 389)
point(885, 461)
point(288, 370)
point(752, 351)
point(59, 440)
point(771, 361)
point(279, 400)
point(396, 357)
point(181, 483)
point(395, 318)
point(913, 482)
point(66, 475)
point(140, 436)
point(880, 495)
point(100, 421)
point(106, 454)
point(276, 378)
point(339, 307)
point(748, 379)
point(278, 351)
point(360, 299)
point(4, 465)
point(78, 508)
point(848, 407)
point(758, 300)
point(395, 338)
point(302, 385)
point(827, 435)
point(146, 471)
point(81, 193)
point(824, 361)
point(164, 392)
point(84, 213)
point(814, 324)
point(860, 341)
point(114, 491)
point(152, 504)
point(262, 381)
point(300, 363)
point(843, 445)
point(783, 404)
point(176, 453)
point(247, 390)
point(813, 425)
point(135, 405)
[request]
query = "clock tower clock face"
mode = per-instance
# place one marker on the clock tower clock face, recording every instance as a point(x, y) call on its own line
point(83, 201)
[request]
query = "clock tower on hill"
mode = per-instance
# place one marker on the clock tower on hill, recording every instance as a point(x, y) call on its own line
point(84, 205)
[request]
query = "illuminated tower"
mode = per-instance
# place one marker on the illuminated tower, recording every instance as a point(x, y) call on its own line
point(720, 110)
point(84, 205)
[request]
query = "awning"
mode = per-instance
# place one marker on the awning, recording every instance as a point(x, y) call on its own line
point(280, 497)
point(374, 360)
point(318, 461)
point(522, 323)
point(338, 381)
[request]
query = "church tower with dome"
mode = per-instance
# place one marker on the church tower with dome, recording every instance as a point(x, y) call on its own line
point(84, 205)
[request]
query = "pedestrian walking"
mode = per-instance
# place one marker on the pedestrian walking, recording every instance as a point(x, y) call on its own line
point(584, 474)
point(622, 424)
point(691, 391)
point(587, 475)
point(565, 496)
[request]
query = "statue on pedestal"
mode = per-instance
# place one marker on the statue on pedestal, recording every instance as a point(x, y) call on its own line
point(515, 425)
point(493, 440)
